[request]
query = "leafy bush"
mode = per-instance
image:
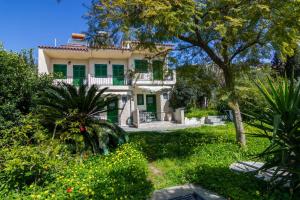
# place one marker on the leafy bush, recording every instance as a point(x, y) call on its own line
point(19, 84)
point(195, 112)
point(194, 84)
point(24, 165)
point(27, 157)
point(280, 123)
point(249, 96)
point(121, 175)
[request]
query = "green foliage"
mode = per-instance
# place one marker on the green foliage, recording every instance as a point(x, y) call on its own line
point(121, 175)
point(27, 157)
point(19, 85)
point(232, 33)
point(280, 123)
point(195, 112)
point(249, 96)
point(73, 111)
point(202, 156)
point(289, 67)
point(193, 85)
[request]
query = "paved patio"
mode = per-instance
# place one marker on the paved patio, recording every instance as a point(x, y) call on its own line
point(160, 126)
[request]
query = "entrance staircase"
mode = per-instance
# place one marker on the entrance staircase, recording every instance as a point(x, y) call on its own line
point(215, 120)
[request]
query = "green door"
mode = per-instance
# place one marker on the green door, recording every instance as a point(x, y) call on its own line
point(78, 74)
point(151, 103)
point(157, 70)
point(118, 74)
point(112, 112)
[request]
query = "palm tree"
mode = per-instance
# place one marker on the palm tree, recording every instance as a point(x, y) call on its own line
point(73, 113)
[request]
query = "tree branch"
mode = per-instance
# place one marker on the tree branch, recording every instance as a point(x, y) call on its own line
point(204, 46)
point(246, 46)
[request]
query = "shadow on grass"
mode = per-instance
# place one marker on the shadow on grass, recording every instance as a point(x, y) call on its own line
point(227, 183)
point(175, 144)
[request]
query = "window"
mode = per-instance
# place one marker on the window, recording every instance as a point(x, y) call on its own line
point(140, 99)
point(141, 66)
point(100, 70)
point(60, 71)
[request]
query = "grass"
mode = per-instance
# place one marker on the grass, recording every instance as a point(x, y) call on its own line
point(201, 156)
point(198, 113)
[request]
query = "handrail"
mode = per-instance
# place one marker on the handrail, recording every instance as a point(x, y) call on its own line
point(111, 80)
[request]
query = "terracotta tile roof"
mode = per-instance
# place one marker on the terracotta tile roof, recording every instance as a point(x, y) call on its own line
point(158, 44)
point(72, 48)
point(81, 48)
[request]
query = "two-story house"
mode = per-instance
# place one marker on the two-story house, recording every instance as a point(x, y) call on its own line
point(140, 78)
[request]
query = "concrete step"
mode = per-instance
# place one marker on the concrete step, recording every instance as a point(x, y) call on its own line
point(208, 121)
point(215, 120)
point(222, 117)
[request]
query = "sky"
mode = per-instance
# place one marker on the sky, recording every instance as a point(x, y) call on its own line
point(26, 24)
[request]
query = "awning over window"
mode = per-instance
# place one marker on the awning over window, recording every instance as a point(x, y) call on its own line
point(153, 88)
point(119, 92)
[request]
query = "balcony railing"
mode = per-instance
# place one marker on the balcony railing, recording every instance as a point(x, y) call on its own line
point(149, 77)
point(142, 78)
point(109, 80)
point(71, 80)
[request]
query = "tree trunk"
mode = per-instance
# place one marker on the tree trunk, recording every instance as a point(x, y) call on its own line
point(234, 105)
point(239, 127)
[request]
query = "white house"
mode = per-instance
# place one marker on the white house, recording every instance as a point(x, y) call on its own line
point(140, 78)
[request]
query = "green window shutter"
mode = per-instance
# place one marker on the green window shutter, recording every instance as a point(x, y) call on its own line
point(157, 66)
point(140, 99)
point(141, 66)
point(60, 71)
point(100, 70)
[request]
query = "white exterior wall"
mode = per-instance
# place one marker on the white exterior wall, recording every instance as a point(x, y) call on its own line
point(43, 63)
point(45, 66)
point(164, 105)
point(126, 110)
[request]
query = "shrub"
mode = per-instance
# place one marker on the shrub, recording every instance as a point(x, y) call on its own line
point(20, 84)
point(281, 125)
point(22, 166)
point(27, 157)
point(195, 112)
point(120, 175)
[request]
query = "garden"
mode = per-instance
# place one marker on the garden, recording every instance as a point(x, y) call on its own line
point(229, 56)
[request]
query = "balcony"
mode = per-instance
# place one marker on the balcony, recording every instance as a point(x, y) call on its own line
point(147, 79)
point(109, 80)
point(90, 80)
point(70, 80)
point(120, 82)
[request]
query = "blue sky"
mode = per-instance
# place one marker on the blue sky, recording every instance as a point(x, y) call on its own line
point(29, 23)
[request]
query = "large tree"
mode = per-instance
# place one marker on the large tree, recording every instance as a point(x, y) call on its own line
point(227, 31)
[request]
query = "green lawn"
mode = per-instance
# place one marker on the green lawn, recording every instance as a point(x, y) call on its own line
point(202, 156)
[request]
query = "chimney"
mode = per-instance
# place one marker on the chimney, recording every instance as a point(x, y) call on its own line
point(78, 36)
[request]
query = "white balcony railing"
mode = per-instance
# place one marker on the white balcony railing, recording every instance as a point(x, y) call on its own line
point(142, 78)
point(70, 80)
point(148, 79)
point(109, 80)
